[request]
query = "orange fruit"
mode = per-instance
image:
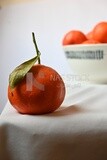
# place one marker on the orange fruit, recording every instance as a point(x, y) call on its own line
point(41, 91)
point(90, 41)
point(74, 37)
point(89, 35)
point(100, 32)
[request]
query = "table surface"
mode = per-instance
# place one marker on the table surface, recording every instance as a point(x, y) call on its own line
point(77, 130)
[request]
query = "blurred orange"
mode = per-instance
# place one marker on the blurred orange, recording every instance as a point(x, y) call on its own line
point(90, 41)
point(100, 32)
point(74, 37)
point(89, 35)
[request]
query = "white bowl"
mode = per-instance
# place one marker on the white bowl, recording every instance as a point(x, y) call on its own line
point(88, 61)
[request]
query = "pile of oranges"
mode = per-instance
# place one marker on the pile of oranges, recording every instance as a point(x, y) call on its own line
point(98, 34)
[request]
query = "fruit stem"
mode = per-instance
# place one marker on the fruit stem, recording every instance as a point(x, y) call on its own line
point(36, 47)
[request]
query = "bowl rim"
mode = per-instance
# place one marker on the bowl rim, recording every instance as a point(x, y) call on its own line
point(85, 45)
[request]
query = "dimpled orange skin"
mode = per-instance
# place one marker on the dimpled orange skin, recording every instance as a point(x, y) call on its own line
point(37, 100)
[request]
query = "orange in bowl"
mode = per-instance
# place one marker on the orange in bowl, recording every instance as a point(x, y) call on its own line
point(74, 37)
point(91, 41)
point(100, 32)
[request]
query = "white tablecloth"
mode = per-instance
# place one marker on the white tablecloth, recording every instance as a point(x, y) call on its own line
point(76, 131)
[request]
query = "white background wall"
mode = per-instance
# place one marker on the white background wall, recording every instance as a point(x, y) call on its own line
point(50, 20)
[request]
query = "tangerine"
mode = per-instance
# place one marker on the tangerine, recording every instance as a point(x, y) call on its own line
point(89, 35)
point(90, 41)
point(41, 91)
point(100, 32)
point(74, 37)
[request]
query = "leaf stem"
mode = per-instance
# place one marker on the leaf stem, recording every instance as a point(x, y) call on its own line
point(36, 47)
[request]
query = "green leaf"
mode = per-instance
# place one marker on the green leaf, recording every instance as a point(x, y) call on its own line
point(19, 72)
